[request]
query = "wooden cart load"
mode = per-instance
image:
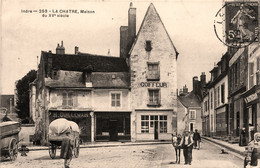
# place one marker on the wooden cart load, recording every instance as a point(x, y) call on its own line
point(9, 139)
point(57, 132)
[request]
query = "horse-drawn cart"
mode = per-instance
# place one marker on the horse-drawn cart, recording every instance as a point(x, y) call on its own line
point(9, 139)
point(57, 132)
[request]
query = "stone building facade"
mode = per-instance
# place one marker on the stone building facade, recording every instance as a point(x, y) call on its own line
point(218, 97)
point(252, 94)
point(131, 97)
point(189, 106)
point(238, 65)
point(153, 80)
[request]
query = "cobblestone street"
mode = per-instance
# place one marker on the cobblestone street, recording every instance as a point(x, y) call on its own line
point(130, 156)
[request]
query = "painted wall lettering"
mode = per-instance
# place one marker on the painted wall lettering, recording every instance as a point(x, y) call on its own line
point(154, 84)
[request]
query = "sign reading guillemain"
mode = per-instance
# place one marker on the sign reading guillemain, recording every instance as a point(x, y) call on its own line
point(154, 84)
point(59, 114)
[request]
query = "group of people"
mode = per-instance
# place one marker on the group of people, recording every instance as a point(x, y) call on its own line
point(187, 142)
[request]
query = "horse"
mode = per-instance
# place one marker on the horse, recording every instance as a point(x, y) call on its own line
point(176, 144)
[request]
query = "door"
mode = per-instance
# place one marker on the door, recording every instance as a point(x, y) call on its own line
point(113, 133)
point(238, 123)
point(191, 127)
point(155, 129)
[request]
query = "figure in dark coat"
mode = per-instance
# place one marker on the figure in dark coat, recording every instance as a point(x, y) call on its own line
point(242, 141)
point(66, 150)
point(196, 139)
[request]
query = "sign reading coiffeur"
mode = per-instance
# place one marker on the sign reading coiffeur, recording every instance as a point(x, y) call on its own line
point(154, 84)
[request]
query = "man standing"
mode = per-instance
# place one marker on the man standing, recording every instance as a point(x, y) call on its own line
point(197, 139)
point(187, 143)
point(66, 149)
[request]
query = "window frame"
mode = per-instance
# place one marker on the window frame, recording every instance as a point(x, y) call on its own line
point(190, 114)
point(222, 93)
point(65, 102)
point(163, 123)
point(159, 97)
point(150, 76)
point(110, 99)
point(145, 120)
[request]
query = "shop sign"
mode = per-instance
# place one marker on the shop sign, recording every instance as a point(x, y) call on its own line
point(252, 97)
point(154, 84)
point(69, 114)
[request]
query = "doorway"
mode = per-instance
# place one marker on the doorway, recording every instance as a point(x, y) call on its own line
point(191, 127)
point(238, 123)
point(113, 132)
point(155, 129)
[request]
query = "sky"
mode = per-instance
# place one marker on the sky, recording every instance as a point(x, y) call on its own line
point(24, 35)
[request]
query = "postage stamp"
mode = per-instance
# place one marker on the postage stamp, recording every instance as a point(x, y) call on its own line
point(239, 23)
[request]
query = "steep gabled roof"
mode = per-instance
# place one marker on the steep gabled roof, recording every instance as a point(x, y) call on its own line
point(149, 11)
point(190, 100)
point(82, 61)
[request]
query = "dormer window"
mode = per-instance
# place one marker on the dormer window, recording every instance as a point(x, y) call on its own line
point(148, 46)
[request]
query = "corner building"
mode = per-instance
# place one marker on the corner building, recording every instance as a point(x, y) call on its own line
point(153, 80)
point(131, 97)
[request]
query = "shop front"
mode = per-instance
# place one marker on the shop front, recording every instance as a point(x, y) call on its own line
point(252, 101)
point(82, 118)
point(112, 126)
point(154, 125)
point(222, 120)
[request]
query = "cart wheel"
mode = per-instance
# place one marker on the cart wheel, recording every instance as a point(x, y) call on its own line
point(52, 150)
point(13, 149)
point(76, 147)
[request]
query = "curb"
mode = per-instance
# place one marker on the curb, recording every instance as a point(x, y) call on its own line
point(100, 146)
point(225, 146)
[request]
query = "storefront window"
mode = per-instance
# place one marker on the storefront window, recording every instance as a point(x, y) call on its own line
point(163, 124)
point(145, 124)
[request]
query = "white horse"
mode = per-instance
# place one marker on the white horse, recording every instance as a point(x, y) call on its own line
point(175, 143)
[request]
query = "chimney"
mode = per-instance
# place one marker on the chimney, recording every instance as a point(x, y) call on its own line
point(203, 79)
point(60, 49)
point(76, 49)
point(123, 41)
point(181, 92)
point(131, 26)
point(185, 90)
point(195, 85)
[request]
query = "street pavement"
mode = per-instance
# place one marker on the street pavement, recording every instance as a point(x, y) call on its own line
point(136, 156)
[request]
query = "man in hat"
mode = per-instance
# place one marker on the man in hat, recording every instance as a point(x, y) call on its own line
point(187, 143)
point(196, 139)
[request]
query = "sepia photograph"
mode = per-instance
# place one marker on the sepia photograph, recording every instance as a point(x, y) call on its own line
point(130, 84)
